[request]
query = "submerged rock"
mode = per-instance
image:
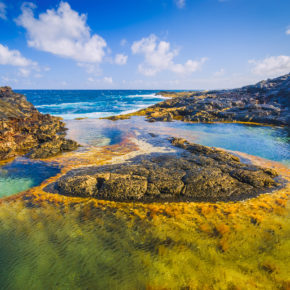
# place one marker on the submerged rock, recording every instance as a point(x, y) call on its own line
point(197, 173)
point(25, 130)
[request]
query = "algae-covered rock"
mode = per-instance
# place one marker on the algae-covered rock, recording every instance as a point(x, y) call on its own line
point(195, 173)
point(25, 130)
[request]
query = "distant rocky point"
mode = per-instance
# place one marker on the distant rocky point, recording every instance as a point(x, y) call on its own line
point(266, 102)
point(24, 130)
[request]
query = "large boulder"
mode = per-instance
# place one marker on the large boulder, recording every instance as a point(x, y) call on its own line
point(197, 173)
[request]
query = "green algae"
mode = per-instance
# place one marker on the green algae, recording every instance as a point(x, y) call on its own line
point(107, 245)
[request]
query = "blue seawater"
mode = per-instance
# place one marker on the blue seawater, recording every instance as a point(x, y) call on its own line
point(71, 104)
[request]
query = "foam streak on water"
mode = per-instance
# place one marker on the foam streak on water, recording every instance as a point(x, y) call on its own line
point(71, 104)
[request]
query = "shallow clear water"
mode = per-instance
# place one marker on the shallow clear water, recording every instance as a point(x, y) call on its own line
point(271, 143)
point(22, 174)
point(267, 142)
point(64, 244)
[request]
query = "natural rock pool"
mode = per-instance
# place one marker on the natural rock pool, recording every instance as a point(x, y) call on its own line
point(267, 142)
point(49, 241)
point(22, 174)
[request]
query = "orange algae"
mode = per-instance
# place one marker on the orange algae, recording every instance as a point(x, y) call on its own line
point(234, 245)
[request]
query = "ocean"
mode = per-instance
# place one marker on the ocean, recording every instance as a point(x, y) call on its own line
point(71, 104)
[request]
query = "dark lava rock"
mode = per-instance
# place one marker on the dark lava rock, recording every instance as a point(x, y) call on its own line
point(266, 102)
point(198, 173)
point(25, 130)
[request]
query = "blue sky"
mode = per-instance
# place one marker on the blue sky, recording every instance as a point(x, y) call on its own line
point(142, 44)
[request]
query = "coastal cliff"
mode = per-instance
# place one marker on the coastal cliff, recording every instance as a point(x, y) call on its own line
point(266, 102)
point(24, 130)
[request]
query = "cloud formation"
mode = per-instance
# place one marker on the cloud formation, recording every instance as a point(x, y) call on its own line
point(219, 73)
point(63, 32)
point(14, 58)
point(288, 31)
point(271, 66)
point(3, 11)
point(121, 59)
point(158, 56)
point(180, 3)
point(104, 80)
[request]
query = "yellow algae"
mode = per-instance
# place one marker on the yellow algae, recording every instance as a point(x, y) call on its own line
point(73, 243)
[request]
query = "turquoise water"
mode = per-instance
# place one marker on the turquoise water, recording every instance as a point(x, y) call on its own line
point(22, 174)
point(271, 143)
point(268, 142)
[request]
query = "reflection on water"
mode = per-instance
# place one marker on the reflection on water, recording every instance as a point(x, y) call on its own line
point(23, 173)
point(94, 132)
point(267, 142)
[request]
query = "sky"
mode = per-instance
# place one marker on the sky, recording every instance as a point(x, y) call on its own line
point(142, 44)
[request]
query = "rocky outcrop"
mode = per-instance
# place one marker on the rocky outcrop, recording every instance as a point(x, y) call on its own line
point(267, 102)
point(196, 173)
point(24, 130)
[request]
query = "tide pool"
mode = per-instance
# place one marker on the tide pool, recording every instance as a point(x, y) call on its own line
point(22, 174)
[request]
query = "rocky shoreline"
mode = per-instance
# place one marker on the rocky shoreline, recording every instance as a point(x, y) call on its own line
point(197, 173)
point(24, 130)
point(266, 102)
point(193, 173)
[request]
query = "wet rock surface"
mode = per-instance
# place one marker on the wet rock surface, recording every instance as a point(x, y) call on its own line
point(196, 173)
point(24, 130)
point(266, 102)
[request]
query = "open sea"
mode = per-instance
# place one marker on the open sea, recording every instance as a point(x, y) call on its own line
point(71, 104)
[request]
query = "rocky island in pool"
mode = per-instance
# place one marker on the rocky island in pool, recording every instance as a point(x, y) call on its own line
point(136, 201)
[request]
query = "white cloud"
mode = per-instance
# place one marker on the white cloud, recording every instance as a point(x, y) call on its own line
point(24, 72)
point(159, 56)
point(63, 32)
point(90, 68)
point(121, 59)
point(6, 80)
point(123, 42)
point(219, 73)
point(180, 3)
point(3, 11)
point(288, 31)
point(14, 58)
point(271, 66)
point(108, 80)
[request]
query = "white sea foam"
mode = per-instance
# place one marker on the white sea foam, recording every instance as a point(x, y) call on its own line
point(93, 115)
point(119, 108)
point(65, 105)
point(149, 96)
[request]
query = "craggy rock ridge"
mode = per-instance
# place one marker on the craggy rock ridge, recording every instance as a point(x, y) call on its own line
point(198, 173)
point(23, 130)
point(266, 102)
